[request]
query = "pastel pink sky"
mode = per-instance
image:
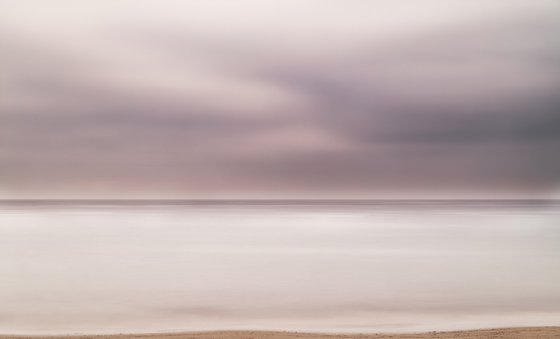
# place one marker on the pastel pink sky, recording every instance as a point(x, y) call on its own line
point(279, 99)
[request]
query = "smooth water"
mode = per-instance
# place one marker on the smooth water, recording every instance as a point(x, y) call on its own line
point(149, 266)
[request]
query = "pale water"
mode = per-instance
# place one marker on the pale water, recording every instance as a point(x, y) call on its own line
point(359, 266)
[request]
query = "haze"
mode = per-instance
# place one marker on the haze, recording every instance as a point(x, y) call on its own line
point(279, 99)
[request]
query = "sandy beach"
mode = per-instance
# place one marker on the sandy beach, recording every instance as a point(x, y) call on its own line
point(509, 333)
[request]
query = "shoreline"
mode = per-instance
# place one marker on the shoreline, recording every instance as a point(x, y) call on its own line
point(541, 332)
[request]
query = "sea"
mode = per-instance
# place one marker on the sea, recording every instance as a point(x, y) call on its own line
point(344, 266)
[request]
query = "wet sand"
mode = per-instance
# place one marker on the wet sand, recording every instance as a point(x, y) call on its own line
point(503, 333)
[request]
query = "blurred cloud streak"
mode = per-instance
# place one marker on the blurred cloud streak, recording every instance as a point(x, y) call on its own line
point(279, 98)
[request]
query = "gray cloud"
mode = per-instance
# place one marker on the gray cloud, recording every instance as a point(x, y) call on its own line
point(179, 109)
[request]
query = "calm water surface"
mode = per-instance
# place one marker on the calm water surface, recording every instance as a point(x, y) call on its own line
point(150, 266)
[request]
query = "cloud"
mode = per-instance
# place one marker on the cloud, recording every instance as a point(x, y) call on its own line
point(212, 100)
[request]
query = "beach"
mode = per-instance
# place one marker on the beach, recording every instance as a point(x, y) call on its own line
point(503, 333)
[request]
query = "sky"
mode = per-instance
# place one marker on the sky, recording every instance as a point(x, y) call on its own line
point(279, 99)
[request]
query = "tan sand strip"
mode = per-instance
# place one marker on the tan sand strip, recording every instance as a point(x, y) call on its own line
point(501, 333)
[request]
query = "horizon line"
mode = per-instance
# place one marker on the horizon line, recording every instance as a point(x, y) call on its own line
point(269, 199)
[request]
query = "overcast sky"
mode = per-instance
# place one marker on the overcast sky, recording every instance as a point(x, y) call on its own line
point(279, 99)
